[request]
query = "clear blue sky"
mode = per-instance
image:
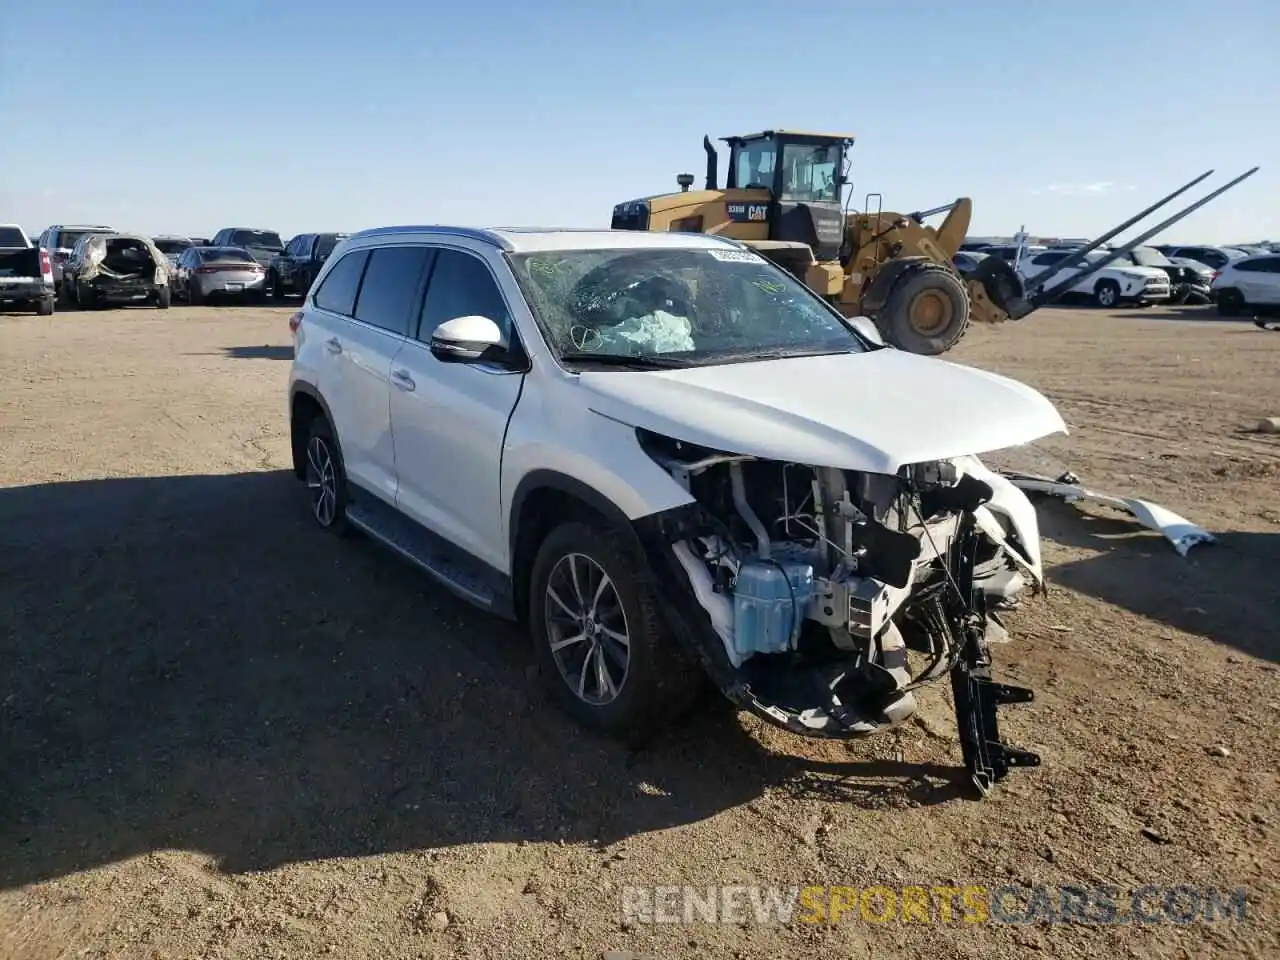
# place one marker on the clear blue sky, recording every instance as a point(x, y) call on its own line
point(184, 117)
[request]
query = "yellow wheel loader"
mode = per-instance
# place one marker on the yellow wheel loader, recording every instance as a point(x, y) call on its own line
point(783, 197)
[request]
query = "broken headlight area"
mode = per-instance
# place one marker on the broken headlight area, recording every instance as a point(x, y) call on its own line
point(821, 599)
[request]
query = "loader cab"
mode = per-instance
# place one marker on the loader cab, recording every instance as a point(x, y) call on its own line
point(804, 174)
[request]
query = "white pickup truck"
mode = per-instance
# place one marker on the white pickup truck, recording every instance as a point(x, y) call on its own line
point(1116, 284)
point(26, 275)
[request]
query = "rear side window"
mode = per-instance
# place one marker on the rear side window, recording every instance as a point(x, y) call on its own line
point(337, 292)
point(389, 292)
point(461, 286)
point(12, 237)
point(1258, 265)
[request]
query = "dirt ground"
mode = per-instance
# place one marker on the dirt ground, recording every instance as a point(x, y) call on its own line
point(226, 734)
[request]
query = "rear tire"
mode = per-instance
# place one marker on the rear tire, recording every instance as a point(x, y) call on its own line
point(648, 681)
point(927, 311)
point(1230, 303)
point(164, 297)
point(193, 294)
point(1107, 294)
point(325, 477)
point(44, 307)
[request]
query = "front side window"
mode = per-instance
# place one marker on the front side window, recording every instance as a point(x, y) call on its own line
point(753, 164)
point(809, 173)
point(461, 286)
point(676, 307)
point(390, 288)
point(337, 292)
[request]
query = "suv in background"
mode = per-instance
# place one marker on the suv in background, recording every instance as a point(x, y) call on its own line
point(1116, 284)
point(1251, 282)
point(1216, 257)
point(638, 445)
point(294, 270)
point(61, 239)
point(261, 244)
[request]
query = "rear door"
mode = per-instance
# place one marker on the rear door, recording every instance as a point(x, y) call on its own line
point(353, 357)
point(450, 419)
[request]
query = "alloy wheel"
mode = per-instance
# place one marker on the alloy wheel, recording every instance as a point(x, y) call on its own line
point(322, 481)
point(587, 629)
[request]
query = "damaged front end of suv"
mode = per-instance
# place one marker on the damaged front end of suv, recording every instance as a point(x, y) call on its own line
point(810, 592)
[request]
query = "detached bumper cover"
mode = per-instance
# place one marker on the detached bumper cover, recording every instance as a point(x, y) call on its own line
point(1179, 531)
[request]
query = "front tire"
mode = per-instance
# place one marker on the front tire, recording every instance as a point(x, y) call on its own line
point(1107, 294)
point(325, 478)
point(600, 640)
point(927, 311)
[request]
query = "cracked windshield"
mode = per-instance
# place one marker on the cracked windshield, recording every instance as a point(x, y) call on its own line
point(684, 307)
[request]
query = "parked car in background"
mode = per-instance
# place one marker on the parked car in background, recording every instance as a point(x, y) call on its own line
point(293, 271)
point(61, 239)
point(261, 244)
point(172, 246)
point(26, 273)
point(1215, 257)
point(205, 273)
point(108, 269)
point(1116, 284)
point(1248, 282)
point(200, 241)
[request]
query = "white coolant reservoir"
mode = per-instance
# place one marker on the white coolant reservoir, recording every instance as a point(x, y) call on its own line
point(770, 598)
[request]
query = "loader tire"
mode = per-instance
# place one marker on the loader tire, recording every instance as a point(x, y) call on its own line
point(927, 312)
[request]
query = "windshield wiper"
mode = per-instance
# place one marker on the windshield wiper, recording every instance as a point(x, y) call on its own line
point(781, 353)
point(629, 360)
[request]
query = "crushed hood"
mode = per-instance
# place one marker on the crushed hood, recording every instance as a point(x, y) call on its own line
point(874, 411)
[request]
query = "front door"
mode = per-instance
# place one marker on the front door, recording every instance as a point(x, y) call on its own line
point(449, 420)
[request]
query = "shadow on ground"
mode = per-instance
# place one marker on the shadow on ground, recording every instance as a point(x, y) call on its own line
point(1224, 591)
point(190, 664)
point(264, 352)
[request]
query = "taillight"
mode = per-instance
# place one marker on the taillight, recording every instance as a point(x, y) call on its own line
point(295, 322)
point(46, 268)
point(1216, 274)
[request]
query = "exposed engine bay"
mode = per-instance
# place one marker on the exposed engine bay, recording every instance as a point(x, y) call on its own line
point(814, 591)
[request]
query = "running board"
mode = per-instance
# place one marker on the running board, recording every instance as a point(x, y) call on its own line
point(449, 566)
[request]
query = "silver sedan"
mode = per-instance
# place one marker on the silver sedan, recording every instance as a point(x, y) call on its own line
point(203, 273)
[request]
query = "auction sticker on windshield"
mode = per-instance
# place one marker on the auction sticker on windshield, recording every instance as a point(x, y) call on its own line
point(736, 256)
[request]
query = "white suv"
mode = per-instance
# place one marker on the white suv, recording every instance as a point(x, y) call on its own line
point(1117, 283)
point(1251, 282)
point(665, 456)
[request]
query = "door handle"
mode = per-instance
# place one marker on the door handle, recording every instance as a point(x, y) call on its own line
point(333, 345)
point(402, 380)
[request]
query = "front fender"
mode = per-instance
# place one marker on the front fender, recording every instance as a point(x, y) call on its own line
point(1009, 509)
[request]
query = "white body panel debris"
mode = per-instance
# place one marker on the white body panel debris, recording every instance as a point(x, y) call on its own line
point(1179, 531)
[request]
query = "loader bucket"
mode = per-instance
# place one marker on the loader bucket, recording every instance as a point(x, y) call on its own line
point(1001, 282)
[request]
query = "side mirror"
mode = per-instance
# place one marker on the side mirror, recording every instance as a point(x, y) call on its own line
point(467, 340)
point(868, 330)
